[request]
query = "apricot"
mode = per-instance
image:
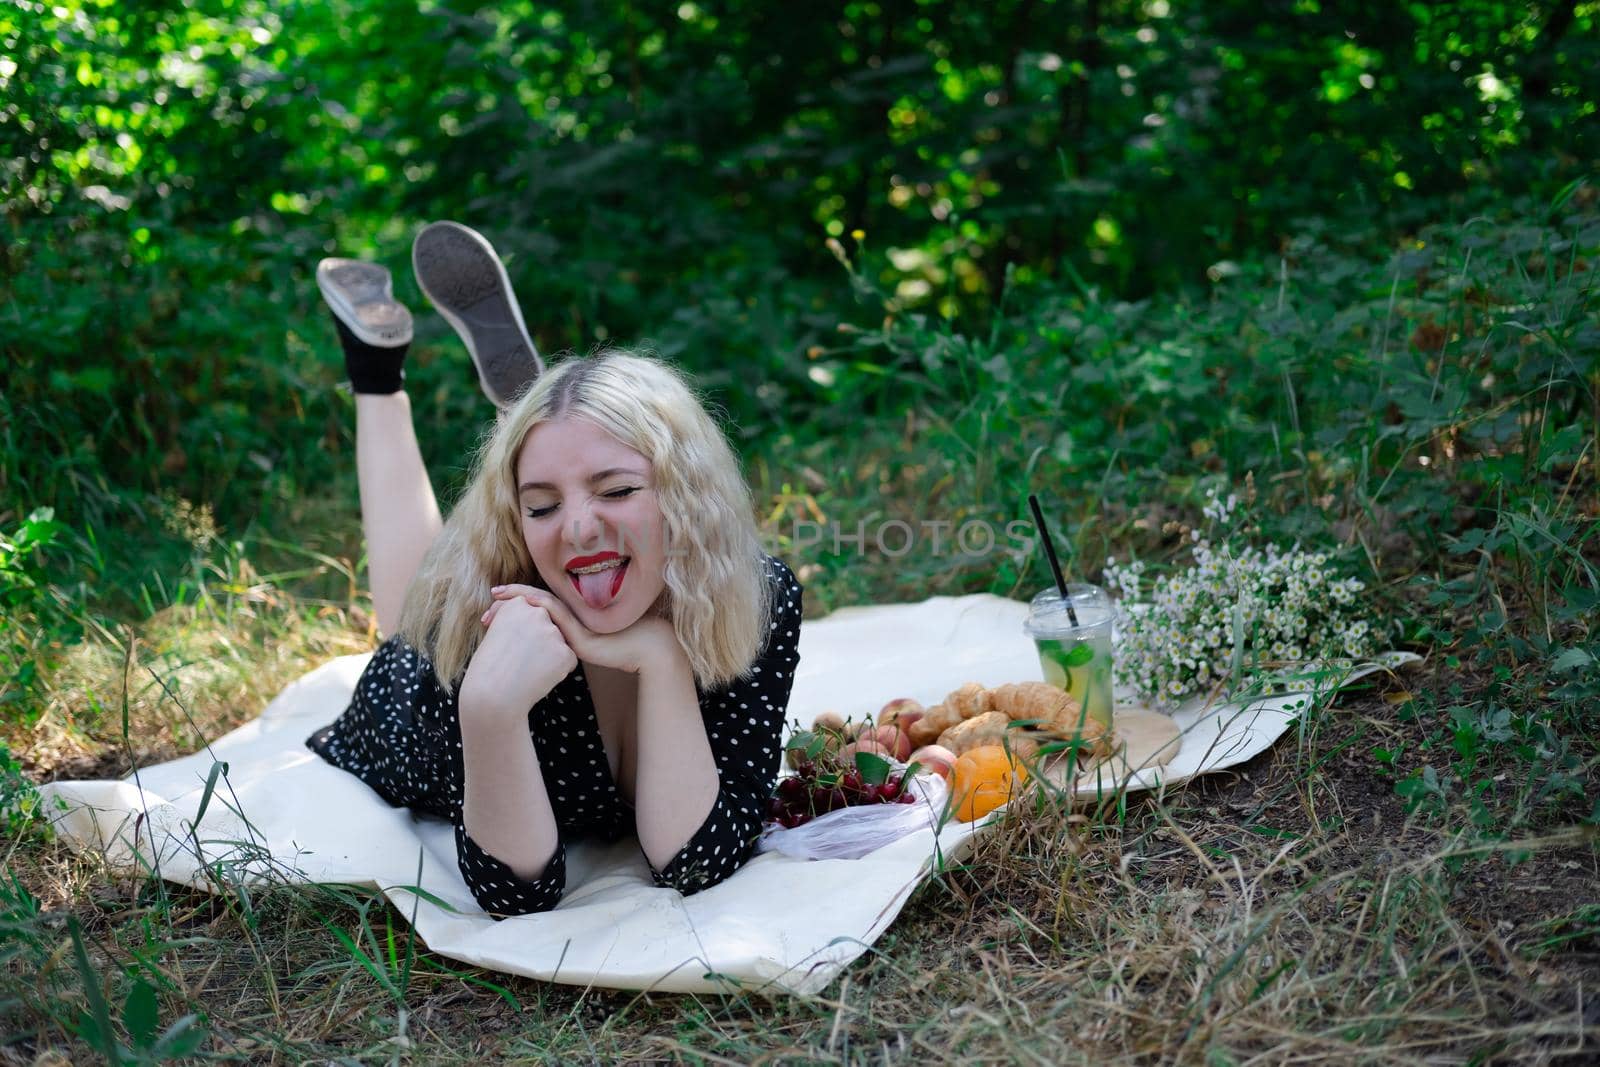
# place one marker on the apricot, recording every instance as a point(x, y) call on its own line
point(983, 779)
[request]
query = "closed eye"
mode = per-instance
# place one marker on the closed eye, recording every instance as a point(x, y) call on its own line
point(615, 494)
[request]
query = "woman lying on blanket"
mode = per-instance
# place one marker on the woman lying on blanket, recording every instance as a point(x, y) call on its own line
point(594, 644)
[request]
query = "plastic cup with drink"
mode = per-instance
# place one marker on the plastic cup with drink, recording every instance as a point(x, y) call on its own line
point(1073, 638)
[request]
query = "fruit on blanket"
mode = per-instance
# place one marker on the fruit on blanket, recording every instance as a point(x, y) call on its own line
point(829, 720)
point(901, 712)
point(896, 740)
point(891, 738)
point(816, 789)
point(847, 754)
point(983, 779)
point(935, 758)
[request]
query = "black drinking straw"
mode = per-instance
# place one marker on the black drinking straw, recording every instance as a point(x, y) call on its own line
point(1050, 553)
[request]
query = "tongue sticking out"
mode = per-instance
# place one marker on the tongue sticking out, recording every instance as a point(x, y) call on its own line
point(600, 589)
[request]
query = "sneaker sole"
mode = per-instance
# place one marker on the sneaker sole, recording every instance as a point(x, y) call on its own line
point(361, 294)
point(458, 270)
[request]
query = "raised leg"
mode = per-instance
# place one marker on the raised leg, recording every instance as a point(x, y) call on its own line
point(399, 514)
point(461, 273)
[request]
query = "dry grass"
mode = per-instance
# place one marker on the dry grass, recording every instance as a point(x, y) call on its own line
point(1283, 913)
point(187, 675)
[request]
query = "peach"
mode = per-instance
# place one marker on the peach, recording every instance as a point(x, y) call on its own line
point(829, 720)
point(935, 758)
point(901, 711)
point(847, 754)
point(895, 740)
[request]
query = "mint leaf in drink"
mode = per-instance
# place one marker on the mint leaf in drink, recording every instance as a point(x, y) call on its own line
point(1080, 655)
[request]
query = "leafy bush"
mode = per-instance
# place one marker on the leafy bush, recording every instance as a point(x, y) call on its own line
point(32, 618)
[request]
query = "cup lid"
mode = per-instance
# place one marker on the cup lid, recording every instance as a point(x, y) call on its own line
point(1049, 617)
point(1079, 592)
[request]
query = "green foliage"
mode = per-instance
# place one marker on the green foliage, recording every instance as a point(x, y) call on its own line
point(669, 174)
point(1432, 411)
point(1111, 252)
point(34, 942)
point(19, 797)
point(139, 1018)
point(1519, 751)
point(32, 616)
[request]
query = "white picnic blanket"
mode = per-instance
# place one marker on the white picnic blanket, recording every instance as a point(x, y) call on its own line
point(778, 925)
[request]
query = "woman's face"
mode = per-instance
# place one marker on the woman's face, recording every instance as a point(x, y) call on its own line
point(587, 501)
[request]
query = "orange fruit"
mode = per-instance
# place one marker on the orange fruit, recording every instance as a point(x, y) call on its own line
point(983, 779)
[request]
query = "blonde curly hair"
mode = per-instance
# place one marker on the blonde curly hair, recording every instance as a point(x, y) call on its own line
point(717, 594)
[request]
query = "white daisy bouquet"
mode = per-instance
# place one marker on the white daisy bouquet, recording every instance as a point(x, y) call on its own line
point(1235, 615)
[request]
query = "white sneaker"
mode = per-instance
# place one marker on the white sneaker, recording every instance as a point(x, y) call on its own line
point(361, 294)
point(460, 272)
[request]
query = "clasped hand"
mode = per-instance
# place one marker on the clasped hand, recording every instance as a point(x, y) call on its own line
point(534, 641)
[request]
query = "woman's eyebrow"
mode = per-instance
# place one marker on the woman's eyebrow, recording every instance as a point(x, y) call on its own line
point(598, 476)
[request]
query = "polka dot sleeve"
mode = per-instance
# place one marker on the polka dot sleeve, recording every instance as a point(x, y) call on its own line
point(744, 724)
point(498, 890)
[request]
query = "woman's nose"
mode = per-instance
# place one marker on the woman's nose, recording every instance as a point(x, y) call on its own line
point(587, 530)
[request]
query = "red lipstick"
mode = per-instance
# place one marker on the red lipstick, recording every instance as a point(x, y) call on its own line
point(584, 561)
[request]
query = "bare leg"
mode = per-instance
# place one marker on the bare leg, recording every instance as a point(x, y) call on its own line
point(398, 511)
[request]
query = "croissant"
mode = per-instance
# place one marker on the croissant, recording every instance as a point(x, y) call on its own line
point(990, 728)
point(1052, 708)
point(971, 699)
point(935, 721)
point(922, 732)
point(1058, 714)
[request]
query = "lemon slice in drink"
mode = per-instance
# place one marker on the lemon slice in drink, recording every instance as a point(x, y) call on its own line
point(1078, 681)
point(1055, 674)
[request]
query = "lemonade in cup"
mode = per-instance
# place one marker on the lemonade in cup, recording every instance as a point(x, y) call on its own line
point(1076, 655)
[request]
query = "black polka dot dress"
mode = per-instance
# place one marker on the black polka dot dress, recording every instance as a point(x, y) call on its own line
point(401, 735)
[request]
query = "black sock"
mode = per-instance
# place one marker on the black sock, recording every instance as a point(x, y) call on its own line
point(372, 369)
